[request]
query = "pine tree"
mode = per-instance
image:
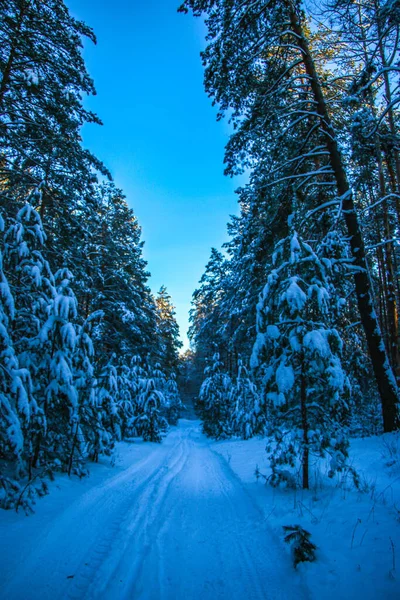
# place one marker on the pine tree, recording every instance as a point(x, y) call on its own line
point(297, 356)
point(205, 314)
point(150, 423)
point(15, 405)
point(41, 102)
point(64, 396)
point(215, 400)
point(34, 289)
point(110, 415)
point(114, 279)
point(274, 74)
point(66, 376)
point(88, 429)
point(167, 331)
point(246, 411)
point(173, 400)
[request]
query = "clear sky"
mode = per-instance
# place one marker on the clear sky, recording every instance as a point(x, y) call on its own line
point(160, 137)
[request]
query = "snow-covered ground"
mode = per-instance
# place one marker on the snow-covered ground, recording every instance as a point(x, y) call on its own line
point(357, 532)
point(167, 521)
point(186, 519)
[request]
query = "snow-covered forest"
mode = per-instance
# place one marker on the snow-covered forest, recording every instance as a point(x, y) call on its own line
point(306, 290)
point(143, 468)
point(88, 355)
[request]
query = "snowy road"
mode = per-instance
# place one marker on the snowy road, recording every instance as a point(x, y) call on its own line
point(178, 525)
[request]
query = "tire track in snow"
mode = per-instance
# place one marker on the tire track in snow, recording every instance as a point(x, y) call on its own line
point(200, 484)
point(61, 564)
point(129, 512)
point(121, 569)
point(161, 572)
point(177, 525)
point(150, 533)
point(215, 544)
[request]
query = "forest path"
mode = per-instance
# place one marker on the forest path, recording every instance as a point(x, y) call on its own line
point(178, 524)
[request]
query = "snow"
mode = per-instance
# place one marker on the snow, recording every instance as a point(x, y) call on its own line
point(272, 332)
point(187, 519)
point(257, 348)
point(316, 341)
point(322, 296)
point(294, 342)
point(14, 432)
point(294, 296)
point(353, 530)
point(337, 378)
point(168, 521)
point(284, 377)
point(294, 248)
point(277, 399)
point(65, 306)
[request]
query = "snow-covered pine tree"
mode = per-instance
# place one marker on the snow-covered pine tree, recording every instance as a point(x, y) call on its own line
point(89, 436)
point(297, 358)
point(367, 34)
point(115, 280)
point(41, 108)
point(15, 401)
point(33, 287)
point(150, 423)
point(205, 316)
point(155, 372)
point(173, 400)
point(152, 402)
point(136, 375)
point(215, 400)
point(246, 419)
point(128, 389)
point(56, 371)
point(30, 275)
point(267, 67)
point(167, 331)
point(109, 413)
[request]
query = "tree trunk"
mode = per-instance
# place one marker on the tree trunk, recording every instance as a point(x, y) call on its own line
point(383, 373)
point(304, 424)
point(13, 48)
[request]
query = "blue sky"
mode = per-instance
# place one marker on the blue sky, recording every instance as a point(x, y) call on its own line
point(160, 137)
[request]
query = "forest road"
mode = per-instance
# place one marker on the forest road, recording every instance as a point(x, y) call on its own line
point(177, 525)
